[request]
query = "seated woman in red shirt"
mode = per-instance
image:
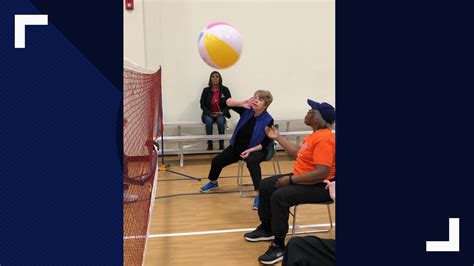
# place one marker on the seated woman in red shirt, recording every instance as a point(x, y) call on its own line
point(214, 107)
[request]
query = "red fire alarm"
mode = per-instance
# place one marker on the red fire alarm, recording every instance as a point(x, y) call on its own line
point(129, 4)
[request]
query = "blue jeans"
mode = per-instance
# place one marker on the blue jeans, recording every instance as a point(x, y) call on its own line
point(209, 120)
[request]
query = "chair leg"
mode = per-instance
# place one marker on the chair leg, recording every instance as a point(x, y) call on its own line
point(238, 174)
point(330, 217)
point(240, 180)
point(240, 177)
point(293, 229)
point(275, 161)
point(296, 226)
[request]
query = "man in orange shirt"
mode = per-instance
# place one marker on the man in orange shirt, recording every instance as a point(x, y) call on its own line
point(315, 162)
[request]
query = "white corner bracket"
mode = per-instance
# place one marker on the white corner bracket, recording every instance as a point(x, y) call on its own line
point(20, 24)
point(452, 245)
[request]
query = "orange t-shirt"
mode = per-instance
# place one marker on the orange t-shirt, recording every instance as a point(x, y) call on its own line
point(317, 148)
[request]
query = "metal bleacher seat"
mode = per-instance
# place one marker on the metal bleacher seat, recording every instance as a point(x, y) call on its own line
point(271, 155)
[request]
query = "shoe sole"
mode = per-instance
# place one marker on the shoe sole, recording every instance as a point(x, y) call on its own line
point(259, 239)
point(209, 190)
point(273, 261)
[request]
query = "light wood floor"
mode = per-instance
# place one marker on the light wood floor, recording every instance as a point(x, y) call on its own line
point(180, 208)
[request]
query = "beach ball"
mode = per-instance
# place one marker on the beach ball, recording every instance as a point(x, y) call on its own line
point(220, 45)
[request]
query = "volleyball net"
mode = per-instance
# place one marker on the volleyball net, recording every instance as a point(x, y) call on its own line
point(142, 120)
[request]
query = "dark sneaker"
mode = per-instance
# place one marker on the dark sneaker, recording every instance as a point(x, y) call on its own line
point(259, 234)
point(209, 187)
point(273, 255)
point(255, 203)
point(210, 147)
point(221, 145)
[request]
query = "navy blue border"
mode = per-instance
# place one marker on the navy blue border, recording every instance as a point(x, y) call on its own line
point(404, 140)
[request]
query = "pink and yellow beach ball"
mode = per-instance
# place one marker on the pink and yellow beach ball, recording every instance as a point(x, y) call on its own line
point(220, 45)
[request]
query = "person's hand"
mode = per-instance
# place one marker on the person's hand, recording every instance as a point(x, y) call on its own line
point(218, 113)
point(272, 132)
point(245, 154)
point(248, 103)
point(332, 188)
point(282, 181)
point(213, 114)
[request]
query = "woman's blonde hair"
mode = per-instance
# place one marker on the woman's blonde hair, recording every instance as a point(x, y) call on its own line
point(266, 96)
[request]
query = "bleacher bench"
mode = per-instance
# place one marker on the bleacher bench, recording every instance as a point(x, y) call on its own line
point(180, 140)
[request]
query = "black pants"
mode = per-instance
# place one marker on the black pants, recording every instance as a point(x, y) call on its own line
point(274, 206)
point(310, 251)
point(230, 156)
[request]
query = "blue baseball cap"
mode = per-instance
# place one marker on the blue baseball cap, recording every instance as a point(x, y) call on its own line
point(325, 109)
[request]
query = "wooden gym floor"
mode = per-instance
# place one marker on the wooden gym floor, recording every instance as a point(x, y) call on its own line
point(192, 228)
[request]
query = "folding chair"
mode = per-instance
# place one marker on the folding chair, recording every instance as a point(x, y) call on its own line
point(295, 226)
point(271, 155)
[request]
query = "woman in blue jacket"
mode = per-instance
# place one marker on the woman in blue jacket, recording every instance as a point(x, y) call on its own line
point(248, 142)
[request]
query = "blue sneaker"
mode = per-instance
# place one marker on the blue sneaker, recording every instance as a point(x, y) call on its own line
point(209, 187)
point(255, 203)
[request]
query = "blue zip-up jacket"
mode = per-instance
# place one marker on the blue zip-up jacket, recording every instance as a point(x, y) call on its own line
point(258, 133)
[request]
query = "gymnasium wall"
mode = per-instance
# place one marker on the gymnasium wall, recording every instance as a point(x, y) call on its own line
point(288, 48)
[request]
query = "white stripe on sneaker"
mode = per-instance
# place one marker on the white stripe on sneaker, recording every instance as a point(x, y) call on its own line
point(273, 261)
point(257, 239)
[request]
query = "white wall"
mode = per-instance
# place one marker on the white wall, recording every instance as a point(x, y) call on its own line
point(288, 48)
point(134, 32)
